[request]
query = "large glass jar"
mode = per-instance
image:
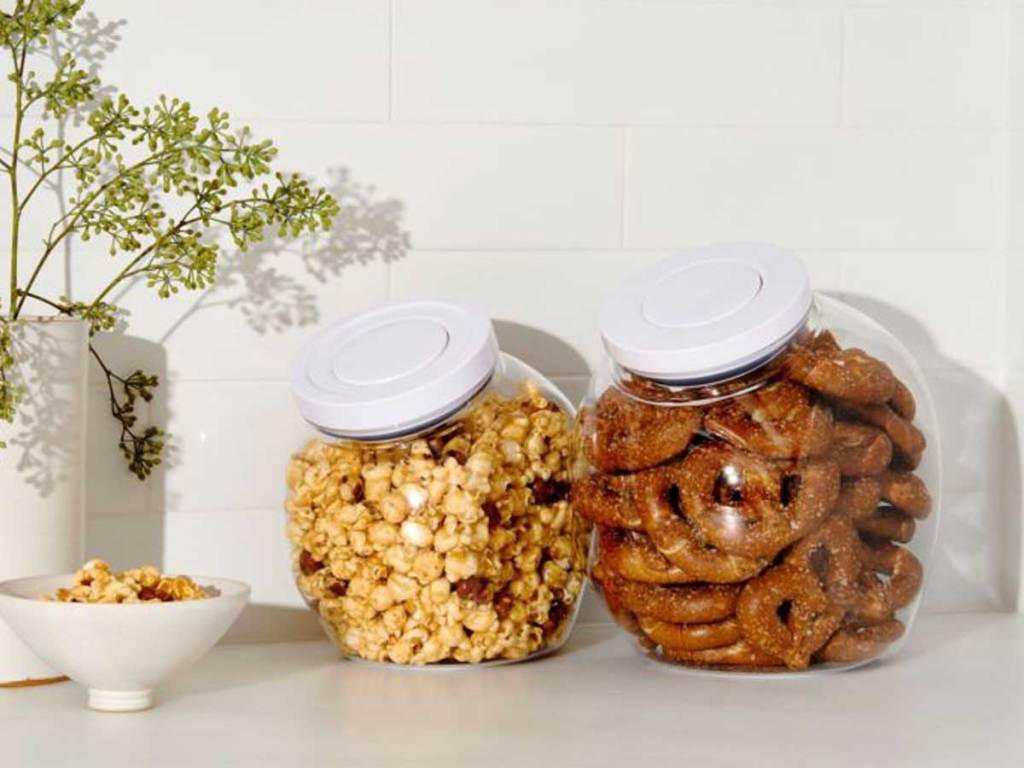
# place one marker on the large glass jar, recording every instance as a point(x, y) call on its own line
point(762, 465)
point(430, 520)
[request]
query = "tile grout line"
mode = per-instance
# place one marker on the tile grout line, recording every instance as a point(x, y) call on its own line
point(690, 126)
point(623, 168)
point(990, 371)
point(840, 107)
point(390, 46)
point(1007, 590)
point(555, 250)
point(1006, 192)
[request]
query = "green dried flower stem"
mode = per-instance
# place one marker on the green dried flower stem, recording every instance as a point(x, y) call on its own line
point(155, 184)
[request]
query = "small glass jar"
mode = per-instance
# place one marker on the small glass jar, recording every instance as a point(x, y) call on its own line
point(430, 520)
point(762, 464)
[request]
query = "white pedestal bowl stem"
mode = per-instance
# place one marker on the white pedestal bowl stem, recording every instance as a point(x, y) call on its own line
point(120, 701)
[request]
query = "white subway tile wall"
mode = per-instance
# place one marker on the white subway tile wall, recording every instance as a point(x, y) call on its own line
point(942, 68)
point(613, 62)
point(531, 155)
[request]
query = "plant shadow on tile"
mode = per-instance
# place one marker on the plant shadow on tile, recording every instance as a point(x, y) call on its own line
point(111, 490)
point(125, 518)
point(368, 228)
point(270, 301)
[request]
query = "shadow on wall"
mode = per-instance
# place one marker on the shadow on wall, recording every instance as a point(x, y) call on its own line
point(269, 298)
point(117, 529)
point(271, 294)
point(977, 556)
point(90, 41)
point(366, 229)
point(540, 349)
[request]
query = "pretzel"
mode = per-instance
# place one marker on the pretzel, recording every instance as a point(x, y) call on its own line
point(624, 618)
point(622, 615)
point(859, 498)
point(633, 556)
point(860, 449)
point(690, 637)
point(901, 566)
point(785, 613)
point(847, 374)
point(629, 434)
point(859, 643)
point(833, 554)
point(871, 603)
point(609, 499)
point(907, 493)
point(877, 600)
point(902, 401)
point(740, 654)
point(779, 421)
point(672, 604)
point(888, 524)
point(906, 438)
point(676, 538)
point(746, 505)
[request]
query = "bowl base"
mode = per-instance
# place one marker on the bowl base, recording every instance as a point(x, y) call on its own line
point(120, 701)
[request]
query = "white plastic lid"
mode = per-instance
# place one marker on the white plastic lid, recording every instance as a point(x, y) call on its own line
point(706, 312)
point(394, 369)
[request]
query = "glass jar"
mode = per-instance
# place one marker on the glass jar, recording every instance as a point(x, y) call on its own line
point(762, 464)
point(430, 520)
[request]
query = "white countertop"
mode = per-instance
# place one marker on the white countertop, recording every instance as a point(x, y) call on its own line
point(953, 696)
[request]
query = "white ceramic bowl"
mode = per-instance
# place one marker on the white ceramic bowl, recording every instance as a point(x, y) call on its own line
point(120, 652)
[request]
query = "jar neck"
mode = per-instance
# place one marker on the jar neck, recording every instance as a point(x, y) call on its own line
point(709, 389)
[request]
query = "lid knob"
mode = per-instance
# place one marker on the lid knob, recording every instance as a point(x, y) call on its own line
point(387, 352)
point(701, 293)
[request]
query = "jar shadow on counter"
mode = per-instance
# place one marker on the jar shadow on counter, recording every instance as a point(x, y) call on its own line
point(321, 666)
point(977, 558)
point(233, 668)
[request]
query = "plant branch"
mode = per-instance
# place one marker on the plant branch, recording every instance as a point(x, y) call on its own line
point(127, 272)
point(19, 115)
point(62, 308)
point(141, 449)
point(177, 160)
point(59, 164)
point(78, 210)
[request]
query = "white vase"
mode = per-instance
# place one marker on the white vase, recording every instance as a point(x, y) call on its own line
point(42, 470)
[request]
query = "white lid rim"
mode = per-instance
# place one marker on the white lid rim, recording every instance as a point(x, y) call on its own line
point(335, 377)
point(722, 373)
point(402, 430)
point(694, 316)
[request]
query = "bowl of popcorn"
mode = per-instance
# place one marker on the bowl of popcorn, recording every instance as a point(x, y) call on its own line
point(120, 633)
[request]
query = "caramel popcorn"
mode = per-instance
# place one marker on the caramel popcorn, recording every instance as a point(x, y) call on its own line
point(96, 583)
point(459, 545)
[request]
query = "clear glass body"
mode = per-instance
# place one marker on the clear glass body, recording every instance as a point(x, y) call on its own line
point(456, 544)
point(779, 520)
